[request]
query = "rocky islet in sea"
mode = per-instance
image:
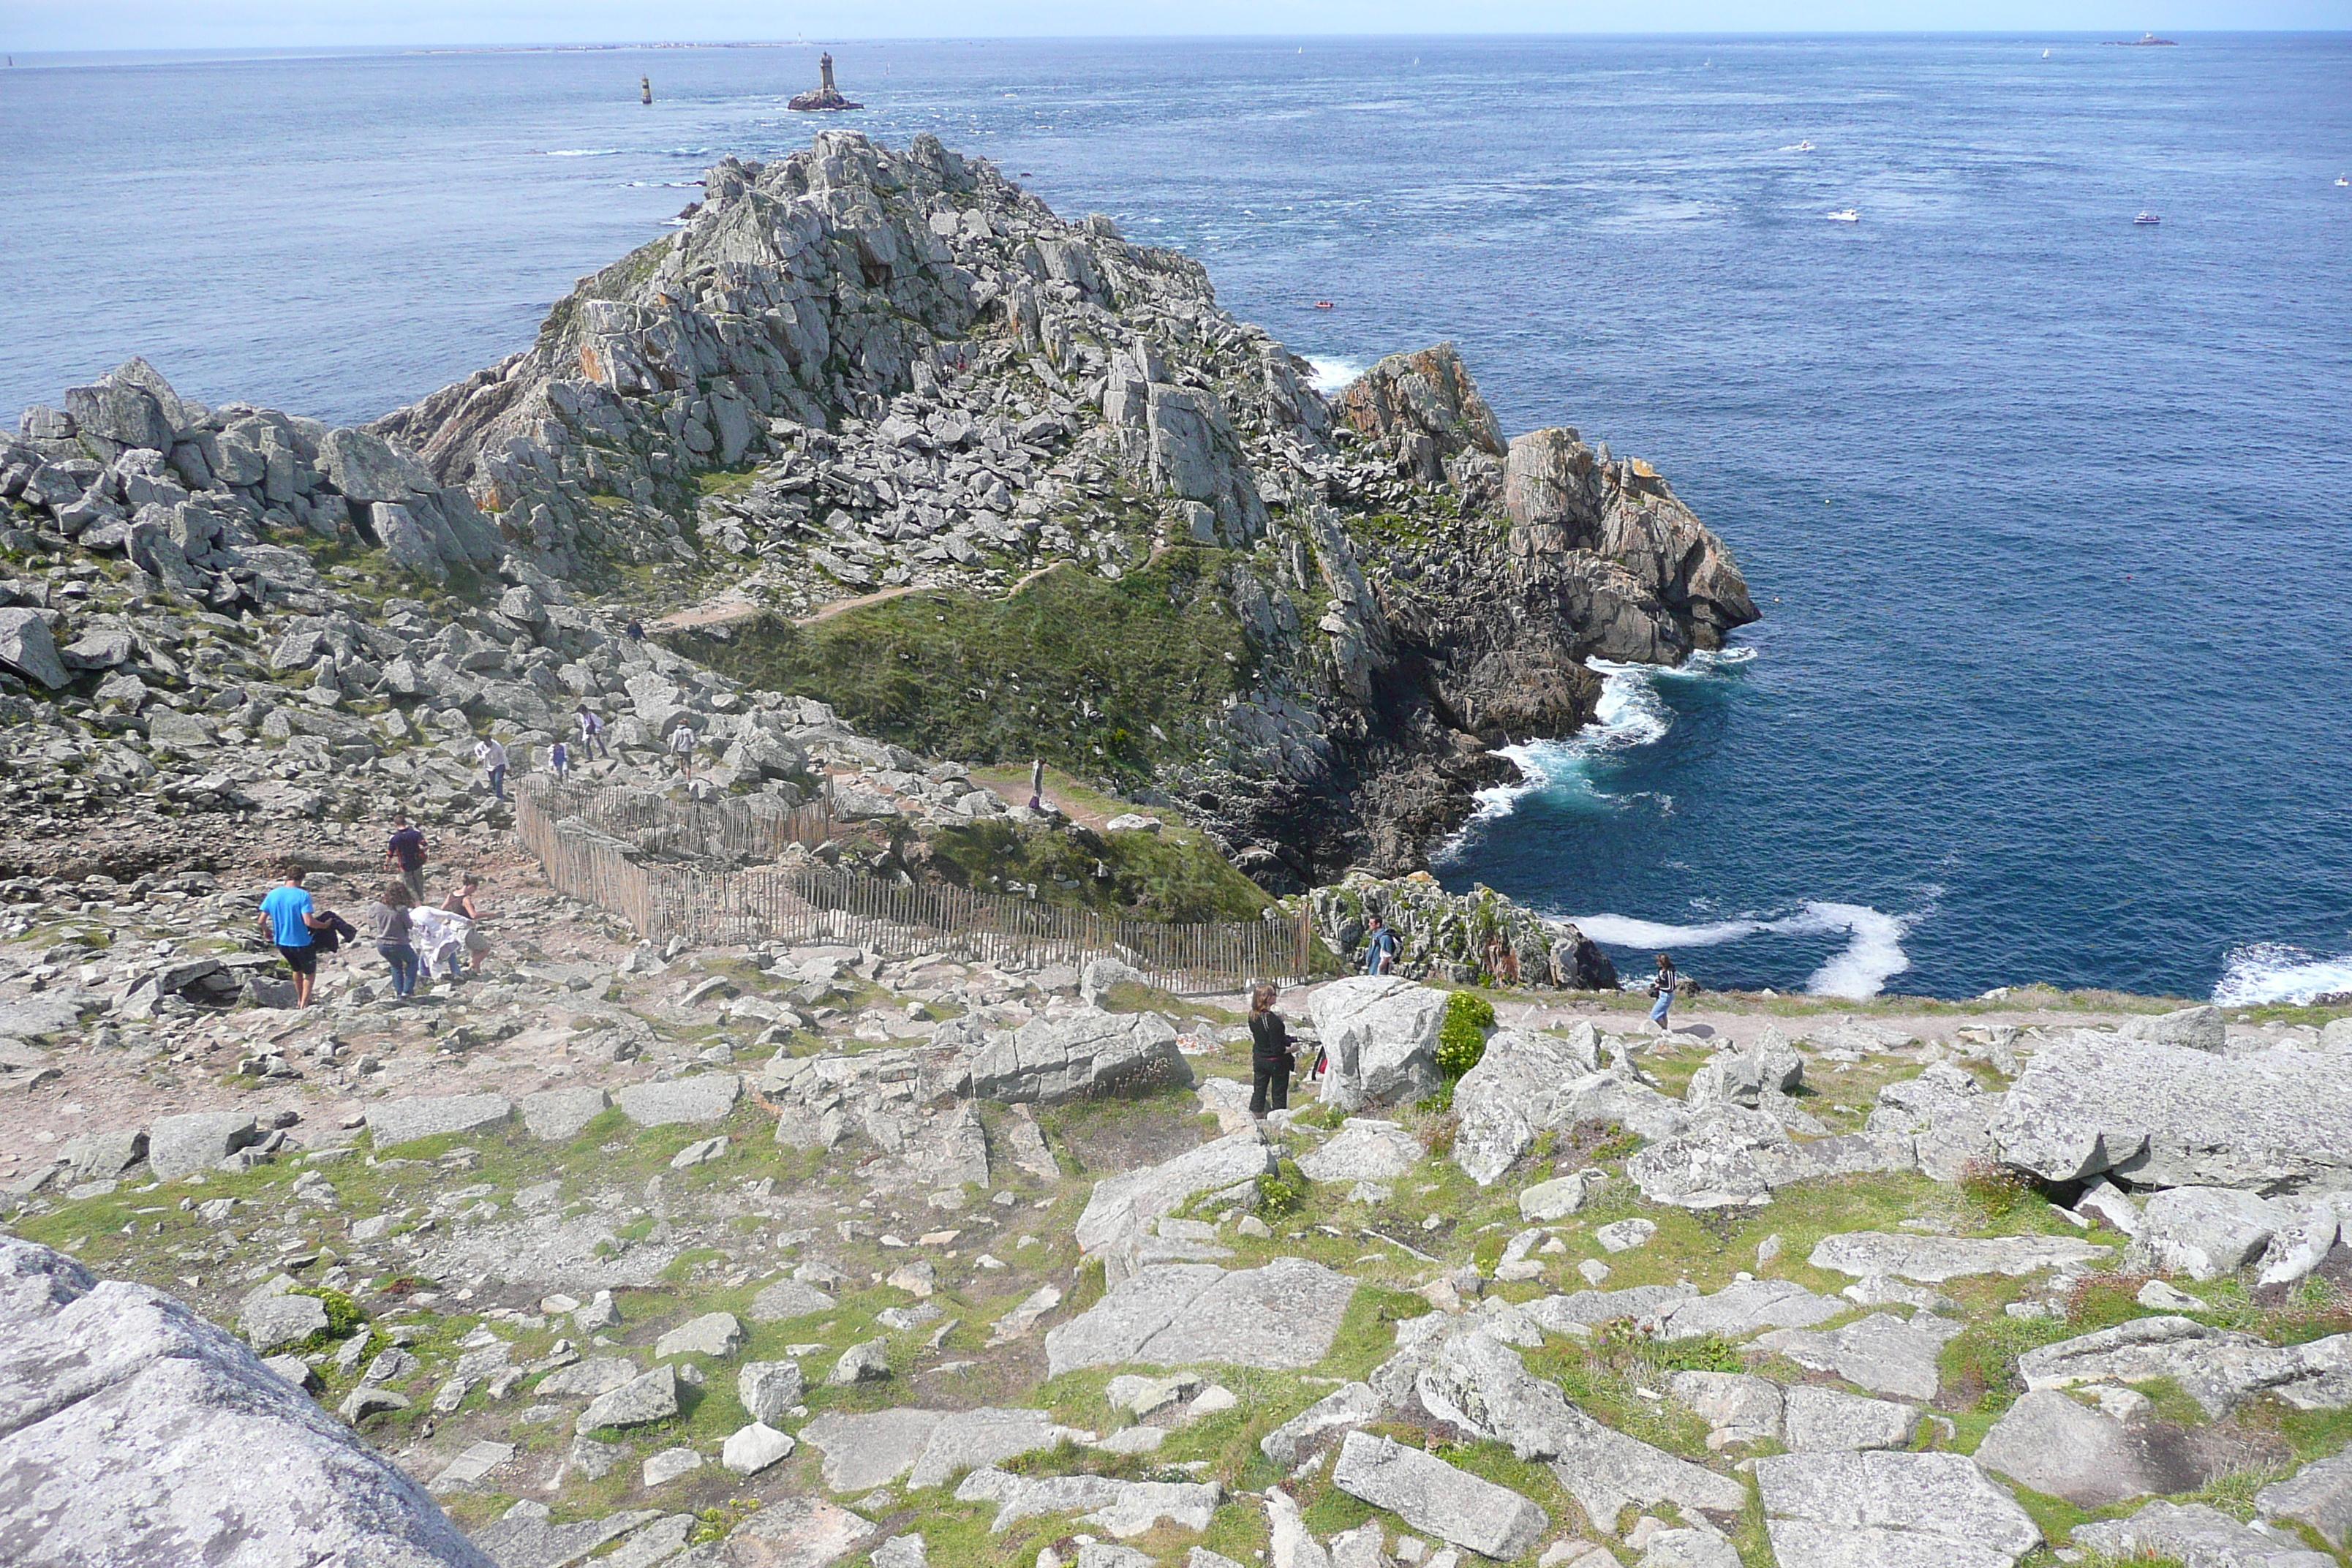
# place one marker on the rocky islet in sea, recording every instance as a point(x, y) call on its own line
point(706, 1254)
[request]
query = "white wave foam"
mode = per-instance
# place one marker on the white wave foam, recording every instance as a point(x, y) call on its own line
point(2279, 972)
point(1873, 954)
point(582, 153)
point(1629, 713)
point(1332, 374)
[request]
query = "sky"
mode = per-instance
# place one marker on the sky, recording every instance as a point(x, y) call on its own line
point(36, 26)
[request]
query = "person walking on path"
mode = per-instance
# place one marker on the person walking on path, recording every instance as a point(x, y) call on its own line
point(591, 735)
point(405, 854)
point(1272, 1060)
point(635, 629)
point(492, 755)
point(286, 920)
point(681, 746)
point(1380, 948)
point(1036, 783)
point(1663, 989)
point(460, 901)
point(559, 762)
point(390, 927)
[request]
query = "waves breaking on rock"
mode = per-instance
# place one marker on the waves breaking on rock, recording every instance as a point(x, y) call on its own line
point(1872, 954)
point(2262, 972)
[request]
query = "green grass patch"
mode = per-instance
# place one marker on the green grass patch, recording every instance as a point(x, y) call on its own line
point(1144, 876)
point(1071, 668)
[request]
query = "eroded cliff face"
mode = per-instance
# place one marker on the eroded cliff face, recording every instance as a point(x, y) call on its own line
point(858, 370)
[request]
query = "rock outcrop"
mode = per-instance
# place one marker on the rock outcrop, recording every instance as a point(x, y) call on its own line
point(133, 1430)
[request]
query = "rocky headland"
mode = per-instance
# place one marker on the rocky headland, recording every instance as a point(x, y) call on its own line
point(812, 1252)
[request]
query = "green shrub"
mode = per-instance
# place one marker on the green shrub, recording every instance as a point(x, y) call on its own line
point(1275, 1197)
point(1996, 1188)
point(1462, 1037)
point(1700, 1352)
point(344, 1314)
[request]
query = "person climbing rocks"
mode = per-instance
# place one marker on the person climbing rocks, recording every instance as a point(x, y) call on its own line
point(406, 853)
point(288, 920)
point(1663, 989)
point(1272, 1060)
point(460, 901)
point(389, 925)
point(592, 734)
point(492, 755)
point(636, 630)
point(681, 746)
point(1380, 948)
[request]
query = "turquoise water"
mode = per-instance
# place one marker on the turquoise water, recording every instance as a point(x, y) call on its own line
point(2045, 508)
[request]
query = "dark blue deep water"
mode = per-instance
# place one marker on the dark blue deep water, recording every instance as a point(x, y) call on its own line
point(2046, 509)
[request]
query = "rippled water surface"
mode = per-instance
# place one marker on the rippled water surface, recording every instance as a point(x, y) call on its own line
point(2046, 508)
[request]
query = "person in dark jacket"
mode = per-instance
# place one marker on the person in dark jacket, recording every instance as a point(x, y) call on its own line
point(1271, 1057)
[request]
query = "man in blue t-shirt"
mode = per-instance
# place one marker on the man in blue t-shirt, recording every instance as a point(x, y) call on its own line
point(1380, 948)
point(286, 920)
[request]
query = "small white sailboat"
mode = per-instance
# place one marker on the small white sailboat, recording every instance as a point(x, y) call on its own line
point(1845, 215)
point(2045, 54)
point(2150, 218)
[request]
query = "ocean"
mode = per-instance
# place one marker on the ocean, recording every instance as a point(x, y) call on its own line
point(2045, 507)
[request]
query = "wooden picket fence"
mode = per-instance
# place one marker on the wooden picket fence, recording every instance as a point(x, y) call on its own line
point(666, 868)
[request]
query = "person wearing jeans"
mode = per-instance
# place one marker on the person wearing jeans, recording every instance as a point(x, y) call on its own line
point(492, 755)
point(388, 923)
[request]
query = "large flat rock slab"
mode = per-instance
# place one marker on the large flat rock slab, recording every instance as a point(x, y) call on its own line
point(196, 1141)
point(1932, 1260)
point(704, 1097)
point(40, 1015)
point(1281, 1316)
point(861, 1452)
point(1430, 1494)
point(2202, 1536)
point(1122, 1210)
point(393, 1121)
point(2171, 1116)
point(1474, 1382)
point(795, 1532)
point(1881, 1352)
point(134, 1431)
point(2318, 1495)
point(1890, 1510)
point(1080, 1053)
point(1740, 1309)
point(558, 1115)
point(925, 1447)
point(1363, 1150)
point(2216, 1367)
point(1123, 1509)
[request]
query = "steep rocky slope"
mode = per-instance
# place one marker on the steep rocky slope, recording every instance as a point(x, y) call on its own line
point(925, 378)
point(1147, 550)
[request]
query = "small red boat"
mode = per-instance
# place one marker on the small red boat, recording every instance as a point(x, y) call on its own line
point(1322, 304)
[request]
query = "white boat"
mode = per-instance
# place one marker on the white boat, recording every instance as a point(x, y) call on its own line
point(2147, 218)
point(1848, 215)
point(2344, 179)
point(1805, 146)
point(2045, 54)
